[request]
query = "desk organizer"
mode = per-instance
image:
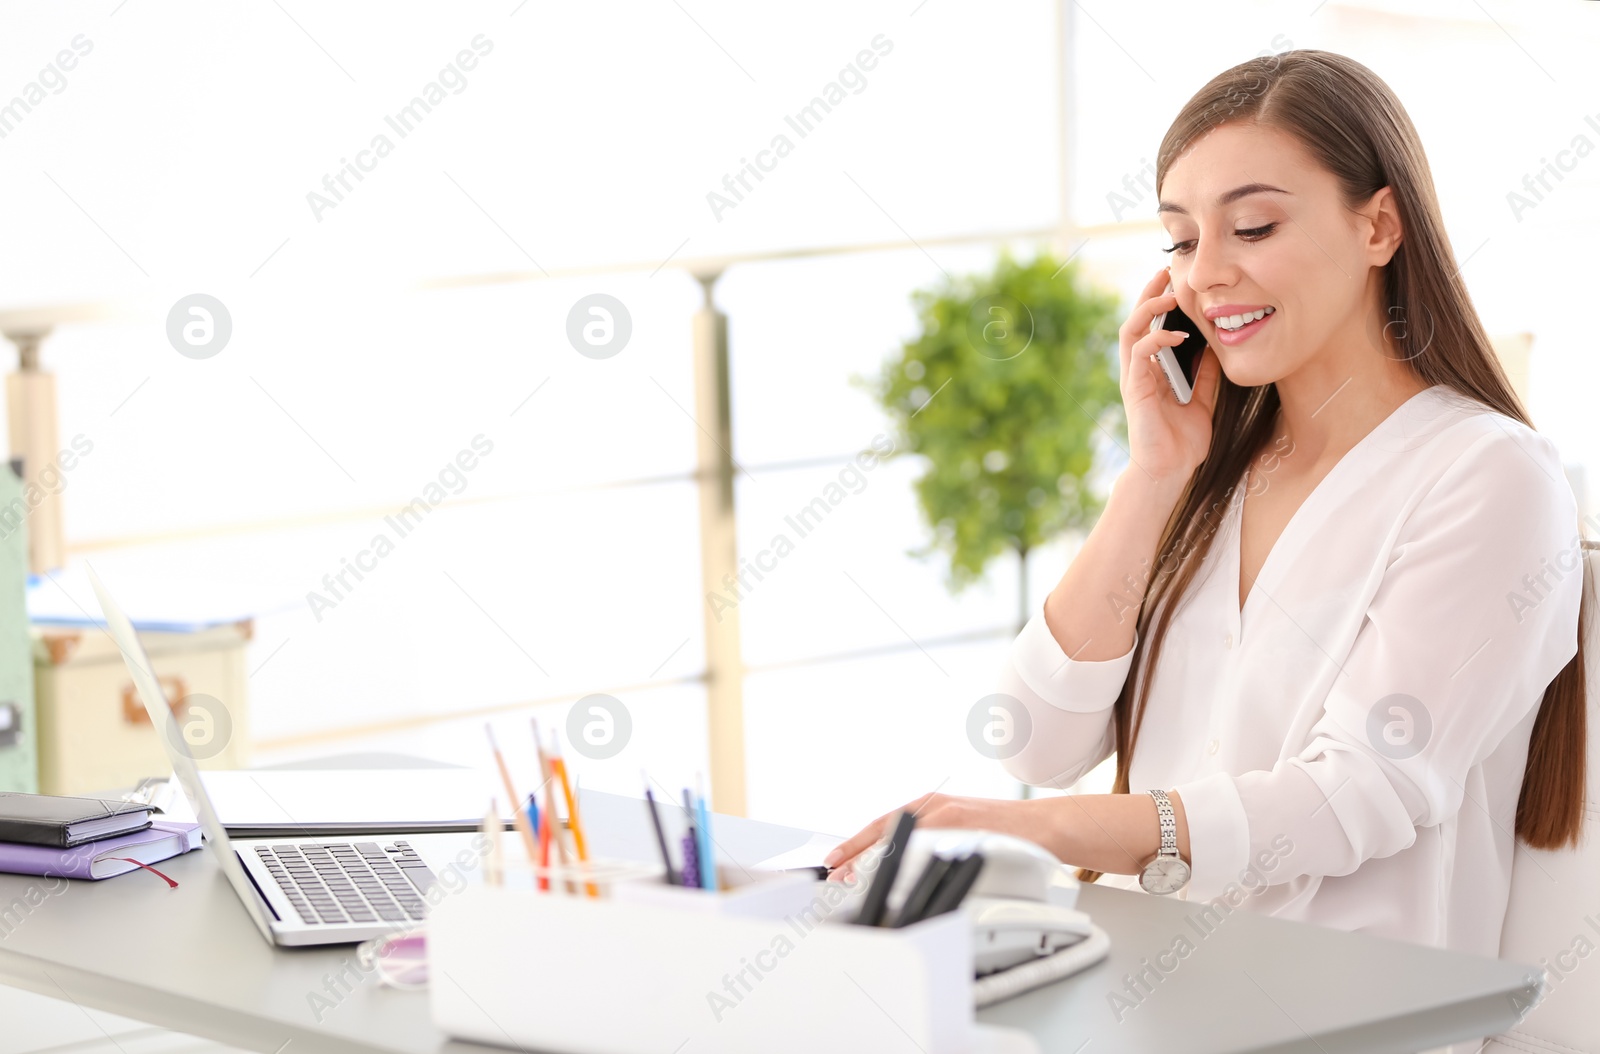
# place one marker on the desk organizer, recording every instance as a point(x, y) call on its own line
point(757, 894)
point(640, 973)
point(763, 894)
point(603, 876)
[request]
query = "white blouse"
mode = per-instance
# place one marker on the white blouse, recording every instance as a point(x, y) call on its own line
point(1349, 747)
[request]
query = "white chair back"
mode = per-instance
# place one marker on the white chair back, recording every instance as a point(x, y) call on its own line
point(1553, 917)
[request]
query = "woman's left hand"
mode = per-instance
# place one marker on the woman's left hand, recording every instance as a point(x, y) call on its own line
point(1031, 819)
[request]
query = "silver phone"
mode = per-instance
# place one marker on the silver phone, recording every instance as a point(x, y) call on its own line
point(1182, 362)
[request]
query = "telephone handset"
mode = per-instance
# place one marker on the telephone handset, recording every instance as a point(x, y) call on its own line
point(1026, 929)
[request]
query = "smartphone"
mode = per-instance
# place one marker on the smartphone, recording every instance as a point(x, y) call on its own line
point(1181, 362)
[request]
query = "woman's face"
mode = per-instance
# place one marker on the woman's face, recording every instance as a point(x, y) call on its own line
point(1259, 225)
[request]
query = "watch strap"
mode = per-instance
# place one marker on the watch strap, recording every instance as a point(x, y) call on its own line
point(1169, 823)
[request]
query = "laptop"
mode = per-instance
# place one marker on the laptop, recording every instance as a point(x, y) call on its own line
point(305, 891)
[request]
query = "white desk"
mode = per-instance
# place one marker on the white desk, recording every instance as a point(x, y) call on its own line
point(190, 959)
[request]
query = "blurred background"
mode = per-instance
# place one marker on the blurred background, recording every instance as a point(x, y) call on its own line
point(514, 273)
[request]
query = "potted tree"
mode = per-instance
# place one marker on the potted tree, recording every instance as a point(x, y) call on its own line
point(1006, 393)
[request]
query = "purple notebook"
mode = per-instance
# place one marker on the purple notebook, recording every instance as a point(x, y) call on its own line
point(104, 858)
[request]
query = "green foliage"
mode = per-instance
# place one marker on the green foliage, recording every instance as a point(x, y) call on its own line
point(1004, 391)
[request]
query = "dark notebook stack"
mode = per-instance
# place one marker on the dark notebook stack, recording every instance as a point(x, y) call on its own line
point(43, 819)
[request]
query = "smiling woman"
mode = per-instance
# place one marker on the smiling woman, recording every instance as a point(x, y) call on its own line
point(1334, 662)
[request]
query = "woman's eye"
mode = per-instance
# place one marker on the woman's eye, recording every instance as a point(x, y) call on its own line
point(1253, 234)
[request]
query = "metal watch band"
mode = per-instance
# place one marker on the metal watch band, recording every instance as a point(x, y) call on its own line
point(1169, 823)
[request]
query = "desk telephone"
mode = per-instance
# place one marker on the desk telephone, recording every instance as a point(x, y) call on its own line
point(1026, 929)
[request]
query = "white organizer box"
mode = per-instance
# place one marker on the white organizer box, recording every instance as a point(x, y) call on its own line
point(514, 967)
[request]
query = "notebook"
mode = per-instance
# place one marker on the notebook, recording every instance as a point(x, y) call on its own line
point(103, 858)
point(43, 819)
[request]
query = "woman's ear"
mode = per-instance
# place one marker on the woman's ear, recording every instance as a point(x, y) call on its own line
point(1383, 215)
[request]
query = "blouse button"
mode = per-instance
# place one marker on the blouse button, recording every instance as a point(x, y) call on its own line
point(1211, 747)
point(1227, 642)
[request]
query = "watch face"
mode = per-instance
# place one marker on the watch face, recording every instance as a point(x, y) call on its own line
point(1164, 874)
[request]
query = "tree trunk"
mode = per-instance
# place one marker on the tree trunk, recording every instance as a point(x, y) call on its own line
point(1022, 589)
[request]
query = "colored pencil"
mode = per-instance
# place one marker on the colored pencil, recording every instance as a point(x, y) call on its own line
point(708, 857)
point(554, 833)
point(493, 867)
point(519, 819)
point(558, 765)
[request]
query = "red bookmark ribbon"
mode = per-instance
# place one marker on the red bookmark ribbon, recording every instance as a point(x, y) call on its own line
point(150, 869)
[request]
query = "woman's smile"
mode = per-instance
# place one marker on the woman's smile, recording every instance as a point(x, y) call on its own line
point(1242, 333)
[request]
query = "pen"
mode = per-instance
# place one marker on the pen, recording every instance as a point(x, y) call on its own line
point(661, 836)
point(916, 905)
point(535, 820)
point(519, 819)
point(558, 764)
point(877, 897)
point(545, 819)
point(963, 873)
point(691, 845)
point(817, 871)
point(708, 859)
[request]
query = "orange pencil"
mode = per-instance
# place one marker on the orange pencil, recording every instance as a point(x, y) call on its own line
point(558, 765)
point(546, 774)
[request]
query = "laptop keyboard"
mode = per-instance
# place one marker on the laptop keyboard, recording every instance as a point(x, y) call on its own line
point(350, 881)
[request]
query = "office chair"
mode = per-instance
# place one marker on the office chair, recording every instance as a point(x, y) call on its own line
point(1555, 905)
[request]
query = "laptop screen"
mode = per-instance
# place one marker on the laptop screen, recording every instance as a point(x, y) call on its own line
point(177, 748)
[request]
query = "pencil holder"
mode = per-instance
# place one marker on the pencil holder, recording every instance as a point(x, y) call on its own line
point(577, 975)
point(598, 879)
point(759, 894)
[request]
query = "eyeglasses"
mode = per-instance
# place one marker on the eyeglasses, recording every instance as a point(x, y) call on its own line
point(399, 959)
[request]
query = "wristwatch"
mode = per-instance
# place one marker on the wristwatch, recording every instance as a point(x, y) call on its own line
point(1165, 872)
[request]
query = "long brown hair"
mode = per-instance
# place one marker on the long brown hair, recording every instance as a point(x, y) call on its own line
point(1355, 126)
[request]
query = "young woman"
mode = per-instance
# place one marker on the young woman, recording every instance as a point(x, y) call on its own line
point(1332, 606)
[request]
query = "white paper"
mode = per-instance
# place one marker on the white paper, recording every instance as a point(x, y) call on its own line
point(310, 798)
point(808, 855)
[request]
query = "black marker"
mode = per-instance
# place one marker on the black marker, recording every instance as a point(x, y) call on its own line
point(817, 871)
point(877, 898)
point(916, 905)
point(953, 890)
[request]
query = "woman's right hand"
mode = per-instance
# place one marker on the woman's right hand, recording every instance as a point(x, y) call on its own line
point(1166, 438)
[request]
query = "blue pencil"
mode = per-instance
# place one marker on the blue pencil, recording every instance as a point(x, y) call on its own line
point(533, 815)
point(708, 860)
